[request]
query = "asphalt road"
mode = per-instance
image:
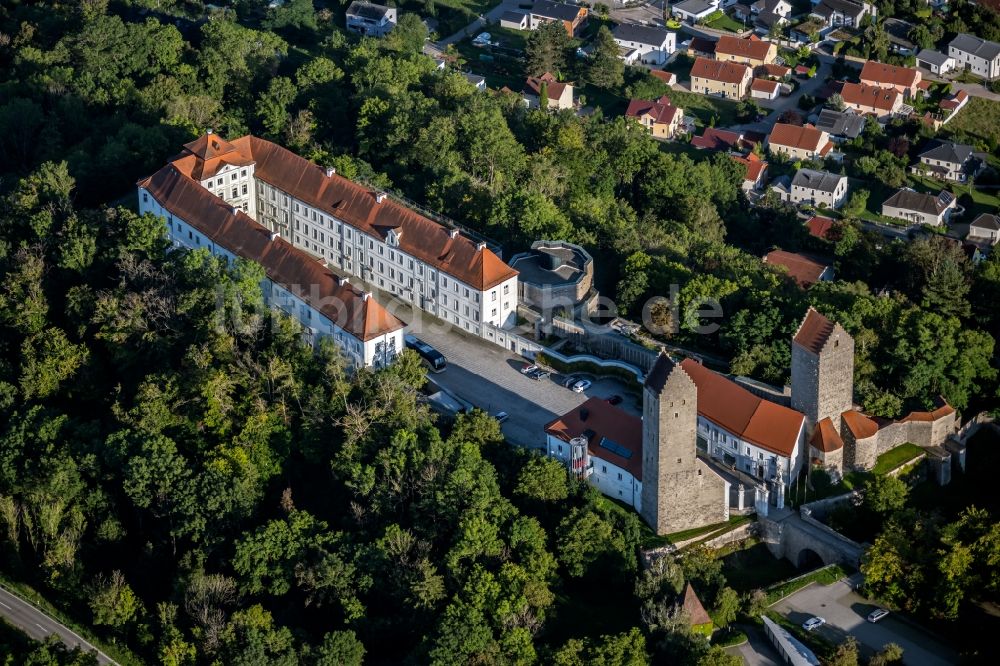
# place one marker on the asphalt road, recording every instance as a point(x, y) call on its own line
point(845, 613)
point(36, 624)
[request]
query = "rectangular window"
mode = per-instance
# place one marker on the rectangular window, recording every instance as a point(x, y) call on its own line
point(234, 176)
point(244, 173)
point(244, 189)
point(493, 295)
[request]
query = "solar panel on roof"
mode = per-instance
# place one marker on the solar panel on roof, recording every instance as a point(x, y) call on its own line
point(615, 448)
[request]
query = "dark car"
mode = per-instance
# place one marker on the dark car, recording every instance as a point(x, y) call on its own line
point(615, 400)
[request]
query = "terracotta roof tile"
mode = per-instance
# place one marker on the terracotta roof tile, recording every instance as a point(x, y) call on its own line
point(882, 74)
point(883, 99)
point(826, 438)
point(819, 227)
point(554, 89)
point(603, 420)
point(764, 85)
point(729, 405)
point(804, 269)
point(718, 70)
point(860, 425)
point(661, 110)
point(745, 48)
point(775, 70)
point(424, 239)
point(284, 264)
point(814, 331)
point(755, 166)
point(941, 410)
point(692, 606)
point(805, 137)
point(718, 139)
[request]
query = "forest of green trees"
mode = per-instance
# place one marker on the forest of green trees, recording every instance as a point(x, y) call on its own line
point(202, 488)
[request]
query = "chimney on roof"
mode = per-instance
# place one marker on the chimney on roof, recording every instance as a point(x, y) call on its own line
point(330, 171)
point(453, 233)
point(342, 280)
point(480, 246)
point(208, 130)
point(366, 295)
point(379, 197)
point(275, 236)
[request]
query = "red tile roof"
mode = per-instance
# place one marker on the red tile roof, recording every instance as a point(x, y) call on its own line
point(806, 270)
point(717, 139)
point(661, 111)
point(666, 77)
point(357, 205)
point(805, 137)
point(882, 99)
point(881, 74)
point(604, 420)
point(825, 438)
point(775, 70)
point(346, 306)
point(819, 226)
point(755, 166)
point(752, 48)
point(943, 409)
point(692, 606)
point(765, 86)
point(860, 425)
point(814, 331)
point(730, 406)
point(718, 70)
point(554, 89)
point(957, 100)
point(207, 155)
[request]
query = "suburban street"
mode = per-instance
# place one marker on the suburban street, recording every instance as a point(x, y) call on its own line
point(845, 612)
point(36, 624)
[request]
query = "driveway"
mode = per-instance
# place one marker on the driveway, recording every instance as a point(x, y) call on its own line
point(492, 16)
point(757, 651)
point(490, 378)
point(846, 612)
point(782, 104)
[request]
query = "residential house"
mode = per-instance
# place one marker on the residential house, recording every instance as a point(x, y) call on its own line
point(919, 207)
point(883, 103)
point(904, 79)
point(660, 117)
point(753, 51)
point(701, 47)
point(572, 17)
point(841, 125)
point(819, 227)
point(799, 143)
point(369, 19)
point(646, 44)
point(559, 95)
point(770, 13)
point(668, 78)
point(818, 188)
point(476, 80)
point(950, 161)
point(717, 77)
point(937, 62)
point(357, 231)
point(693, 11)
point(773, 71)
point(835, 13)
point(765, 89)
point(719, 139)
point(514, 20)
point(976, 55)
point(756, 172)
point(985, 229)
point(805, 269)
point(954, 103)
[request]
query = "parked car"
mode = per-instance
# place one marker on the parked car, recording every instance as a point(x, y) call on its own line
point(539, 374)
point(813, 623)
point(615, 400)
point(581, 386)
point(877, 615)
point(528, 368)
point(569, 381)
point(501, 416)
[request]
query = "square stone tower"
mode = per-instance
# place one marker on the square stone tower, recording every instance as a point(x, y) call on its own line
point(822, 369)
point(679, 491)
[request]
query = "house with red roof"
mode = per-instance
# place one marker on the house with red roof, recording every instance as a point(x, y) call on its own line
point(799, 142)
point(756, 172)
point(883, 103)
point(906, 80)
point(558, 95)
point(721, 78)
point(819, 227)
point(660, 117)
point(765, 89)
point(805, 269)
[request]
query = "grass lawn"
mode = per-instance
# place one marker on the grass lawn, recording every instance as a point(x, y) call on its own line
point(893, 458)
point(979, 120)
point(704, 108)
point(983, 201)
point(726, 23)
point(827, 575)
point(755, 567)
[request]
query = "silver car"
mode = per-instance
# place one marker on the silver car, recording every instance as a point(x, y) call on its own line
point(813, 623)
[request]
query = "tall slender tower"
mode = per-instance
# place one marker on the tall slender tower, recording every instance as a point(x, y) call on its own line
point(679, 491)
point(822, 369)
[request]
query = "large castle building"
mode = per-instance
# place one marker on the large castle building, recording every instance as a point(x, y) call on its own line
point(341, 225)
point(688, 410)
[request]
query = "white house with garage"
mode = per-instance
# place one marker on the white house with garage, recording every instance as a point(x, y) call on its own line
point(644, 44)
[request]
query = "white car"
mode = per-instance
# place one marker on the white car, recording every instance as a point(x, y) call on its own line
point(877, 615)
point(581, 386)
point(529, 368)
point(813, 623)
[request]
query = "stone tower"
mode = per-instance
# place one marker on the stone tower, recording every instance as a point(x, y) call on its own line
point(679, 491)
point(822, 369)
